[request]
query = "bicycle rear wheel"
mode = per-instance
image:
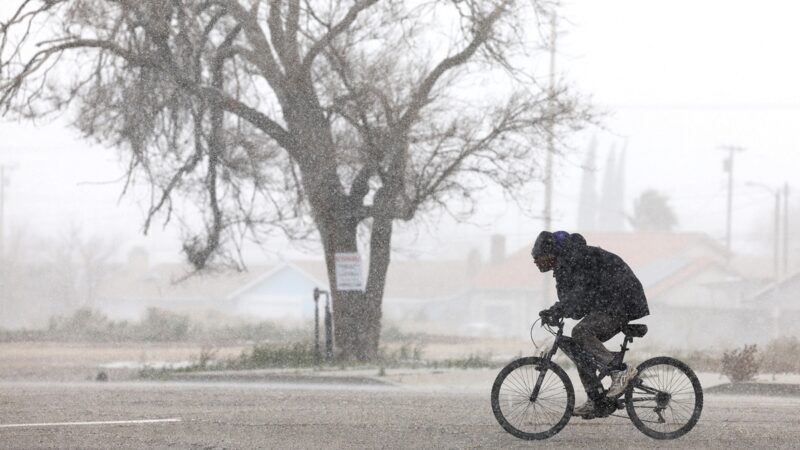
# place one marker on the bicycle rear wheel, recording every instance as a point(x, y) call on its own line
point(511, 399)
point(665, 399)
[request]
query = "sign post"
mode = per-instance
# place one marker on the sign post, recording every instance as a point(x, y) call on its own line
point(317, 354)
point(328, 326)
point(348, 272)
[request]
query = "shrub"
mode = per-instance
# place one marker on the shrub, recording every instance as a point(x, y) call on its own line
point(740, 364)
point(471, 361)
point(266, 355)
point(206, 356)
point(83, 324)
point(159, 325)
point(408, 352)
point(782, 355)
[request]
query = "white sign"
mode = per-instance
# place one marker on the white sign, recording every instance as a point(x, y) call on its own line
point(348, 272)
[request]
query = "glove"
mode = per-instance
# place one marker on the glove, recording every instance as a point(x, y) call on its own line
point(549, 317)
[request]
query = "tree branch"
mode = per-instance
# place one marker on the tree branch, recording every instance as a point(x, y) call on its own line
point(262, 57)
point(420, 97)
point(292, 27)
point(232, 105)
point(276, 31)
point(333, 32)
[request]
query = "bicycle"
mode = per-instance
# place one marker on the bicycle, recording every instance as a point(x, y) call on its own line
point(533, 398)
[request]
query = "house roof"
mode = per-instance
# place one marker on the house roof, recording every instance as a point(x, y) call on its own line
point(271, 272)
point(427, 279)
point(659, 259)
point(781, 291)
point(685, 272)
point(169, 282)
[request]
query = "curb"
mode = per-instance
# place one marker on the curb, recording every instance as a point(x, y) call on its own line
point(272, 377)
point(766, 389)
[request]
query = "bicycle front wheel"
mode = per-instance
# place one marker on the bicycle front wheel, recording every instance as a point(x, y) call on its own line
point(665, 399)
point(532, 417)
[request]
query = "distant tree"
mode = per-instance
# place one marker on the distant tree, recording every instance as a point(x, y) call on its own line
point(42, 276)
point(257, 114)
point(652, 212)
point(75, 266)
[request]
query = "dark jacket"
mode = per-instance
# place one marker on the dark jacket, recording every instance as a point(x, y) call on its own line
point(591, 279)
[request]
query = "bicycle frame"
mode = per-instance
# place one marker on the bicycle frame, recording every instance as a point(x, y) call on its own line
point(646, 397)
point(572, 351)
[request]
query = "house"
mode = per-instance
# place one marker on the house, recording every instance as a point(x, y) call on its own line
point(695, 298)
point(776, 308)
point(280, 291)
point(277, 291)
point(690, 289)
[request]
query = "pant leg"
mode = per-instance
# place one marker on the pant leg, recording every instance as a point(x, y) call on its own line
point(588, 336)
point(586, 366)
point(593, 330)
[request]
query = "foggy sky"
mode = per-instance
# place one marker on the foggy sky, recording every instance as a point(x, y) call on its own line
point(676, 80)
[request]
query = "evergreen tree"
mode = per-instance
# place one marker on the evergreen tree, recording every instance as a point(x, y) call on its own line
point(652, 212)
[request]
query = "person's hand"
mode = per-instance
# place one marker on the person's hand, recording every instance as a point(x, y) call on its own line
point(549, 317)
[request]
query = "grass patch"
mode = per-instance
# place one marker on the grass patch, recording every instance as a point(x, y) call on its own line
point(157, 325)
point(471, 361)
point(407, 354)
point(265, 356)
point(301, 355)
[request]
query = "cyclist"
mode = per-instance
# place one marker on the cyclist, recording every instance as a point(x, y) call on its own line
point(598, 288)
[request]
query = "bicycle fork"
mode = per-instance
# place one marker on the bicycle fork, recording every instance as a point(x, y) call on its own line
point(544, 362)
point(539, 379)
point(542, 367)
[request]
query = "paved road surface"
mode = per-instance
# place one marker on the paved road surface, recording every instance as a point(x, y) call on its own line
point(250, 415)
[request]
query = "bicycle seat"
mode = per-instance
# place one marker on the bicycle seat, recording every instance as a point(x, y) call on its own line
point(635, 330)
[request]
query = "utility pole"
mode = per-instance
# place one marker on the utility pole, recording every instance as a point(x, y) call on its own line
point(728, 167)
point(786, 229)
point(777, 237)
point(3, 299)
point(2, 217)
point(547, 213)
point(776, 233)
point(548, 168)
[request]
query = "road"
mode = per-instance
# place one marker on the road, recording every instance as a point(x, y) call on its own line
point(210, 415)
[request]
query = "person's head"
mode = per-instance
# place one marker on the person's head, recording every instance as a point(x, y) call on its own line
point(547, 248)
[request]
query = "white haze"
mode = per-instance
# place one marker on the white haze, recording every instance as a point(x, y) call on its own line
point(675, 81)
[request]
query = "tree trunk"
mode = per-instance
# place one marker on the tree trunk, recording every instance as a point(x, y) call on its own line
point(380, 250)
point(339, 236)
point(357, 314)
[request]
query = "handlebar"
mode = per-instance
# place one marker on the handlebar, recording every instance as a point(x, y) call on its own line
point(547, 326)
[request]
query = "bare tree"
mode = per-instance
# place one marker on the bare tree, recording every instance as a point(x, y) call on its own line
point(76, 265)
point(44, 276)
point(257, 115)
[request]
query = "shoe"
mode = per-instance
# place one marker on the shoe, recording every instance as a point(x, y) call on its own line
point(585, 410)
point(620, 380)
